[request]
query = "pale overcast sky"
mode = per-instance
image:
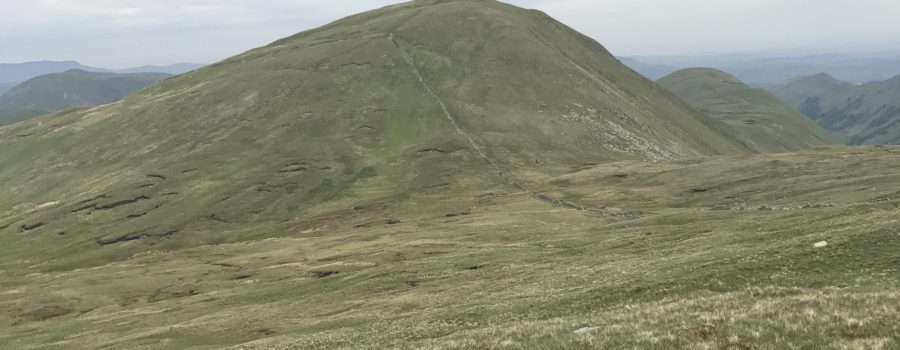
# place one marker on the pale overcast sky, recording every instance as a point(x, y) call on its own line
point(124, 33)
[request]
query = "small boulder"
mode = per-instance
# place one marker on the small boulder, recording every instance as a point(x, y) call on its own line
point(821, 244)
point(720, 207)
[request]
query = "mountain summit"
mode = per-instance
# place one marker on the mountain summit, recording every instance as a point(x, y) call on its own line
point(394, 103)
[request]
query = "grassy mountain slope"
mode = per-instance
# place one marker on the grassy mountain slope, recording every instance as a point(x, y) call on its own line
point(861, 114)
point(74, 88)
point(447, 186)
point(336, 118)
point(760, 120)
point(487, 269)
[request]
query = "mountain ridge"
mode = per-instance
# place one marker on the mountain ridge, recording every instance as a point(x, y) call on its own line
point(73, 88)
point(761, 120)
point(859, 113)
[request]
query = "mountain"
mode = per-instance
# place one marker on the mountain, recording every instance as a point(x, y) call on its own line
point(4, 87)
point(174, 69)
point(19, 72)
point(436, 174)
point(764, 70)
point(762, 122)
point(12, 74)
point(73, 88)
point(859, 113)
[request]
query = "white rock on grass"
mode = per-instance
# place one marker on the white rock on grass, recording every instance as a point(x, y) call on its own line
point(821, 244)
point(586, 330)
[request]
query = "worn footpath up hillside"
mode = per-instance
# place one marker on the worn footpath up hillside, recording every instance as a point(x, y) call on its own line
point(759, 119)
point(435, 174)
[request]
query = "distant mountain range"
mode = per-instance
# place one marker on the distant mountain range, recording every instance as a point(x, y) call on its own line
point(860, 113)
point(759, 70)
point(762, 122)
point(73, 88)
point(11, 74)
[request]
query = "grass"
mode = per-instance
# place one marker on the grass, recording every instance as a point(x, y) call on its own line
point(310, 194)
point(516, 272)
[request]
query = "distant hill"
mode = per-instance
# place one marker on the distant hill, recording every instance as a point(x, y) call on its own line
point(4, 87)
point(12, 74)
point(73, 88)
point(761, 121)
point(174, 69)
point(763, 70)
point(19, 72)
point(861, 114)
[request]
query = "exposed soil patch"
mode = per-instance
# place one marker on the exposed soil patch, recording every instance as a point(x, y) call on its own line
point(294, 167)
point(433, 150)
point(323, 274)
point(265, 331)
point(121, 239)
point(26, 227)
point(162, 294)
point(217, 218)
point(102, 196)
point(45, 313)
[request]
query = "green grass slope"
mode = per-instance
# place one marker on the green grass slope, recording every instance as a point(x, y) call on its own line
point(716, 253)
point(483, 177)
point(73, 88)
point(860, 114)
point(338, 118)
point(759, 119)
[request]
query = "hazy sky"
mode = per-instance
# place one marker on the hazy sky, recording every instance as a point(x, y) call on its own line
point(123, 33)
